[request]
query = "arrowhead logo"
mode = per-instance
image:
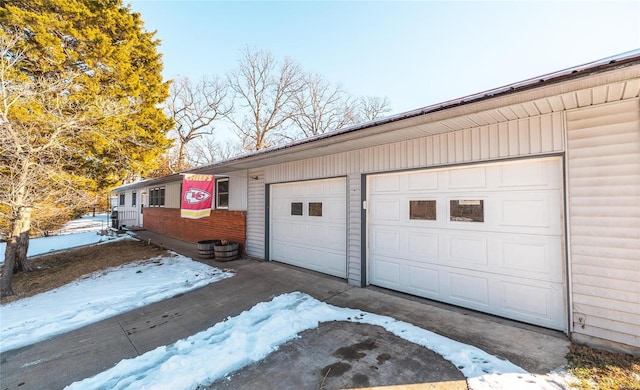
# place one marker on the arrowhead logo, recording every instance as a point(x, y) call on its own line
point(195, 195)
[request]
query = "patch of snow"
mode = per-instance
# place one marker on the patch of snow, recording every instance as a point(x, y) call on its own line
point(249, 337)
point(101, 295)
point(87, 223)
point(79, 232)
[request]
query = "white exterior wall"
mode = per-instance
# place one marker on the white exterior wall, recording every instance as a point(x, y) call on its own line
point(237, 192)
point(604, 212)
point(539, 135)
point(128, 214)
point(238, 188)
point(354, 235)
point(255, 213)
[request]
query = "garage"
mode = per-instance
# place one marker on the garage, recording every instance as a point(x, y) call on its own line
point(488, 237)
point(308, 225)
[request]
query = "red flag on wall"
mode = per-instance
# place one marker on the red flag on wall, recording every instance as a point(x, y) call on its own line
point(197, 195)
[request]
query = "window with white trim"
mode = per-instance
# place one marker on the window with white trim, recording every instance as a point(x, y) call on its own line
point(156, 197)
point(121, 203)
point(133, 198)
point(222, 193)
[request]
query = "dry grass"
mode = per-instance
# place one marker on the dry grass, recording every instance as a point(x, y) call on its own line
point(57, 269)
point(597, 369)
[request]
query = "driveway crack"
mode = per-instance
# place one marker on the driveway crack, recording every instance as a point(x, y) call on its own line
point(127, 336)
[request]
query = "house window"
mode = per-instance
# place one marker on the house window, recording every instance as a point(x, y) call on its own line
point(222, 193)
point(422, 209)
point(156, 197)
point(133, 198)
point(315, 209)
point(466, 210)
point(121, 203)
point(296, 208)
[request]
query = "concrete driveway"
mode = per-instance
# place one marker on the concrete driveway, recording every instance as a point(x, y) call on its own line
point(335, 355)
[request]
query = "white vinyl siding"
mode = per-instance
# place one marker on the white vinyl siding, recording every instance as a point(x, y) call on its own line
point(255, 213)
point(526, 137)
point(539, 135)
point(604, 210)
point(354, 237)
point(238, 191)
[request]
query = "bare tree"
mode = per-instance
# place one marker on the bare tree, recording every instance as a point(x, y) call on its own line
point(321, 107)
point(45, 127)
point(263, 97)
point(194, 108)
point(373, 107)
point(207, 150)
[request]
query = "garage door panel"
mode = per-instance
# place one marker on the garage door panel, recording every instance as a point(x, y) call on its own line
point(539, 174)
point(468, 250)
point(315, 239)
point(422, 244)
point(422, 181)
point(334, 239)
point(387, 273)
point(532, 302)
point(387, 210)
point(526, 213)
point(479, 265)
point(334, 209)
point(385, 241)
point(467, 178)
point(334, 187)
point(533, 257)
point(468, 289)
point(423, 279)
point(387, 184)
point(527, 300)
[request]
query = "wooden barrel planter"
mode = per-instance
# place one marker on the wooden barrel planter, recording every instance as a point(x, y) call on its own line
point(226, 252)
point(206, 248)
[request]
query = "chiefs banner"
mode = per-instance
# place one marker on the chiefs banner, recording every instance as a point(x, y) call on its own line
point(197, 195)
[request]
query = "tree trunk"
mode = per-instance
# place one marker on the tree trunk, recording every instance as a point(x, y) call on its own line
point(181, 154)
point(21, 262)
point(15, 248)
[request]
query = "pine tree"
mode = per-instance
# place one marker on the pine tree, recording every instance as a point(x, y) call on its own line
point(81, 92)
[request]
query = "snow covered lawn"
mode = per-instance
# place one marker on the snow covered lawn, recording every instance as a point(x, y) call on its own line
point(101, 295)
point(252, 335)
point(79, 232)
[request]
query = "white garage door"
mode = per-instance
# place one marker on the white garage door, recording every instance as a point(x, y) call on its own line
point(486, 237)
point(308, 225)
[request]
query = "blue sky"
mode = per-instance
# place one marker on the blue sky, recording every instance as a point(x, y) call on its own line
point(415, 53)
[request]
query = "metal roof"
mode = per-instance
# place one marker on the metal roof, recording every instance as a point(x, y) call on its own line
point(415, 123)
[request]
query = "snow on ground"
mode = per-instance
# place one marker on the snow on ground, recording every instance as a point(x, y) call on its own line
point(79, 232)
point(236, 342)
point(252, 335)
point(101, 295)
point(87, 223)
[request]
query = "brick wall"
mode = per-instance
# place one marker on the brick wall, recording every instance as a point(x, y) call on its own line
point(220, 225)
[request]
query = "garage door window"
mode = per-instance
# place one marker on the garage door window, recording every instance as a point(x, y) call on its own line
point(466, 210)
point(296, 208)
point(315, 209)
point(422, 210)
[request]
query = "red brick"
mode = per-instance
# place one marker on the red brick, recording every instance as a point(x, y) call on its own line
point(220, 225)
